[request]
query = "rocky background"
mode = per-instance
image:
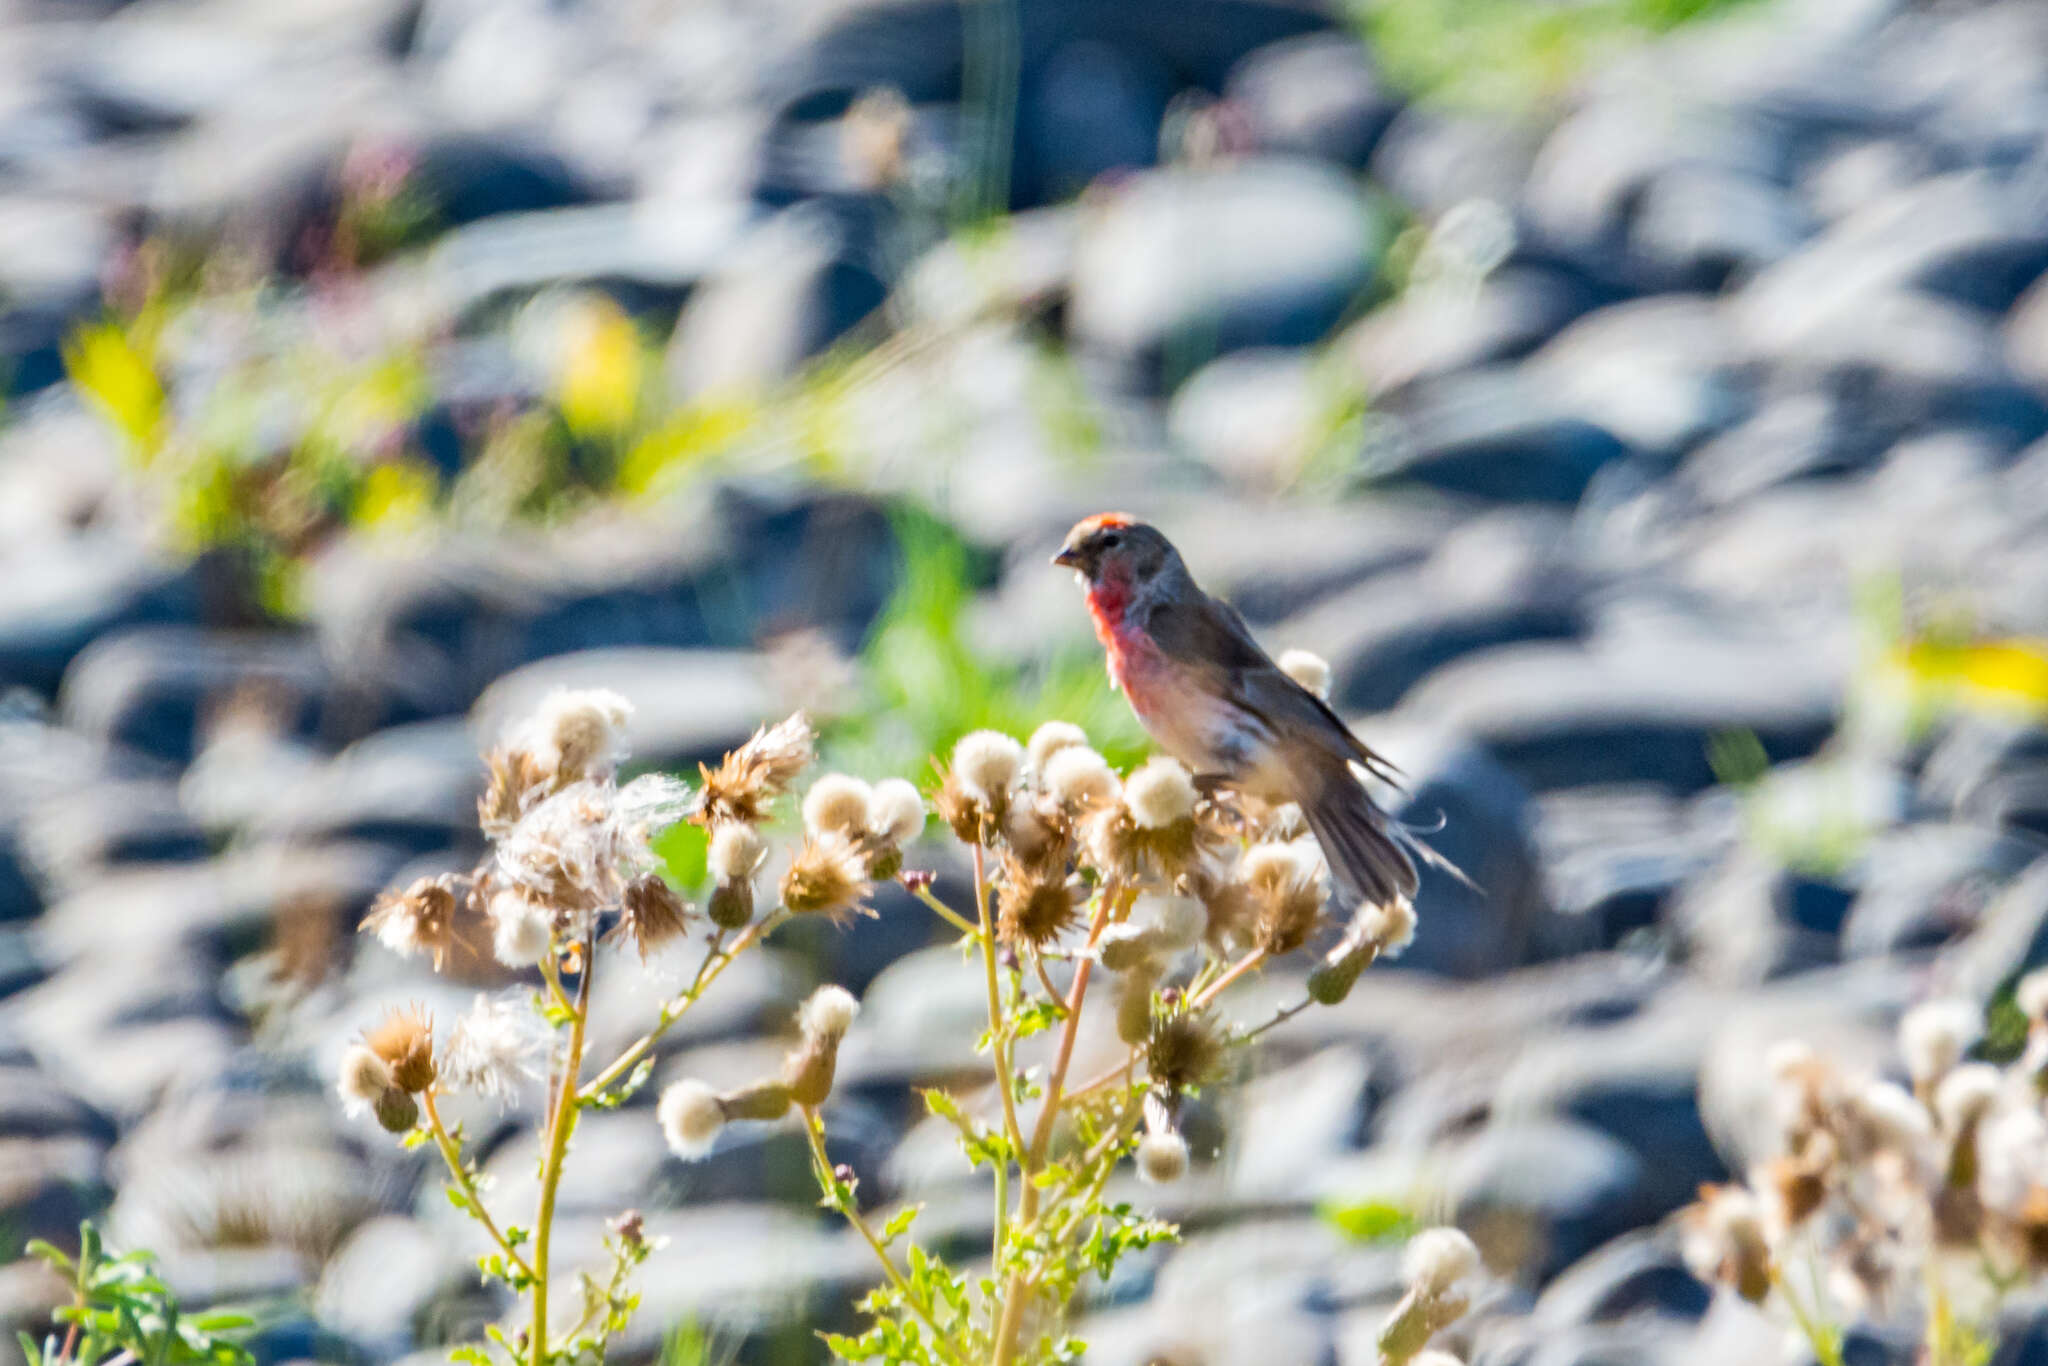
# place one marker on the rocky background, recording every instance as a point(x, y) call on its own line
point(1655, 464)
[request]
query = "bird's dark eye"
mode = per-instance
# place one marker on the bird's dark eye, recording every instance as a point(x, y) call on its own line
point(1111, 540)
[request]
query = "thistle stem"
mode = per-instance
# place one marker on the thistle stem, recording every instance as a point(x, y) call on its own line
point(814, 1131)
point(677, 1006)
point(946, 913)
point(999, 1046)
point(560, 1126)
point(459, 1174)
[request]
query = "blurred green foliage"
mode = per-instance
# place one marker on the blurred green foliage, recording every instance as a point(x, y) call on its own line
point(1369, 1221)
point(1512, 54)
point(121, 1310)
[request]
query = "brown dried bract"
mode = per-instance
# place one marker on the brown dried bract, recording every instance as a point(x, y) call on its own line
point(1034, 907)
point(404, 1039)
point(652, 913)
point(420, 919)
point(827, 876)
point(754, 775)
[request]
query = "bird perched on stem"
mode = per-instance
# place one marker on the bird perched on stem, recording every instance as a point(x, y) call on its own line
point(1206, 692)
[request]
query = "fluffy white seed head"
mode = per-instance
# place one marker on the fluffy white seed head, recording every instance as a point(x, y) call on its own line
point(736, 852)
point(1176, 922)
point(519, 929)
point(494, 1048)
point(1966, 1095)
point(1895, 1120)
point(1433, 1357)
point(576, 732)
point(1049, 739)
point(1390, 928)
point(690, 1118)
point(838, 804)
point(2012, 1156)
point(1933, 1036)
point(1787, 1058)
point(364, 1077)
point(896, 814)
point(2031, 995)
point(1437, 1259)
point(1160, 794)
point(986, 763)
point(1162, 1158)
point(1079, 777)
point(828, 1013)
point(1310, 670)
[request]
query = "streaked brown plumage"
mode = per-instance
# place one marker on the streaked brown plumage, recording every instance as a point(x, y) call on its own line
point(1211, 697)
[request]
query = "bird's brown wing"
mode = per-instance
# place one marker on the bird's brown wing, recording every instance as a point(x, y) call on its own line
point(1209, 634)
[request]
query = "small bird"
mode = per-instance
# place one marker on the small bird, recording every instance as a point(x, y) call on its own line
point(1206, 692)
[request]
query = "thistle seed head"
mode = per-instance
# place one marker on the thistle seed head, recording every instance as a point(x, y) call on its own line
point(751, 777)
point(1160, 794)
point(421, 919)
point(839, 804)
point(690, 1116)
point(827, 876)
point(404, 1039)
point(1310, 670)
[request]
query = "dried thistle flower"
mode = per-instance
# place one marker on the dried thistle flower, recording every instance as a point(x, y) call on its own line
point(404, 1039)
point(690, 1116)
point(896, 813)
point(1310, 670)
point(1332, 979)
point(1162, 1152)
point(1161, 794)
point(1389, 928)
point(839, 804)
point(1797, 1184)
point(1123, 848)
point(1078, 779)
point(1033, 837)
point(827, 876)
point(767, 1099)
point(364, 1077)
point(1934, 1035)
point(652, 913)
point(740, 789)
point(824, 1020)
point(1185, 1050)
point(1050, 739)
point(736, 853)
point(1287, 894)
point(1034, 908)
point(1966, 1095)
point(986, 763)
point(517, 782)
point(521, 929)
point(421, 919)
point(493, 1049)
point(1437, 1259)
point(575, 733)
point(1884, 1117)
point(1723, 1240)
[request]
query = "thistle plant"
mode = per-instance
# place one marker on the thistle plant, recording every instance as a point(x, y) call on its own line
point(1142, 897)
point(1919, 1207)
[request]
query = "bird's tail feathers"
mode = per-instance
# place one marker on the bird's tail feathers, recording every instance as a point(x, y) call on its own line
point(1372, 856)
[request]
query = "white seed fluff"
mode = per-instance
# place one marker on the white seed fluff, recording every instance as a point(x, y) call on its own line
point(690, 1118)
point(736, 851)
point(1160, 794)
point(2031, 995)
point(838, 804)
point(519, 930)
point(1310, 670)
point(1049, 739)
point(1079, 777)
point(364, 1077)
point(576, 731)
point(896, 813)
point(1162, 1159)
point(1897, 1122)
point(986, 763)
point(828, 1013)
point(1966, 1095)
point(1933, 1035)
point(1433, 1357)
point(1437, 1259)
point(1389, 928)
point(493, 1048)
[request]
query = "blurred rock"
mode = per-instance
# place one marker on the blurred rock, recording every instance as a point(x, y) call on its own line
point(688, 705)
point(1655, 372)
point(374, 1288)
point(1314, 96)
point(67, 594)
point(151, 688)
point(1428, 332)
point(1436, 159)
point(1538, 1195)
point(1490, 432)
point(1178, 266)
point(1613, 856)
point(1637, 1273)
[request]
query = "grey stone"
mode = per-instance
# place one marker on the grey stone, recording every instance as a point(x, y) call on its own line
point(1613, 856)
point(1493, 433)
point(1178, 266)
point(1795, 436)
point(77, 589)
point(1317, 95)
point(1698, 228)
point(688, 705)
point(1637, 1273)
point(1436, 159)
point(1925, 883)
point(1086, 110)
point(1428, 332)
point(1633, 711)
point(1256, 417)
point(2011, 936)
point(375, 1288)
point(1655, 372)
point(47, 1185)
point(151, 687)
point(1537, 1195)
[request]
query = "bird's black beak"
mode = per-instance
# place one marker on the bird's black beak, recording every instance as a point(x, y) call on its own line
point(1068, 557)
